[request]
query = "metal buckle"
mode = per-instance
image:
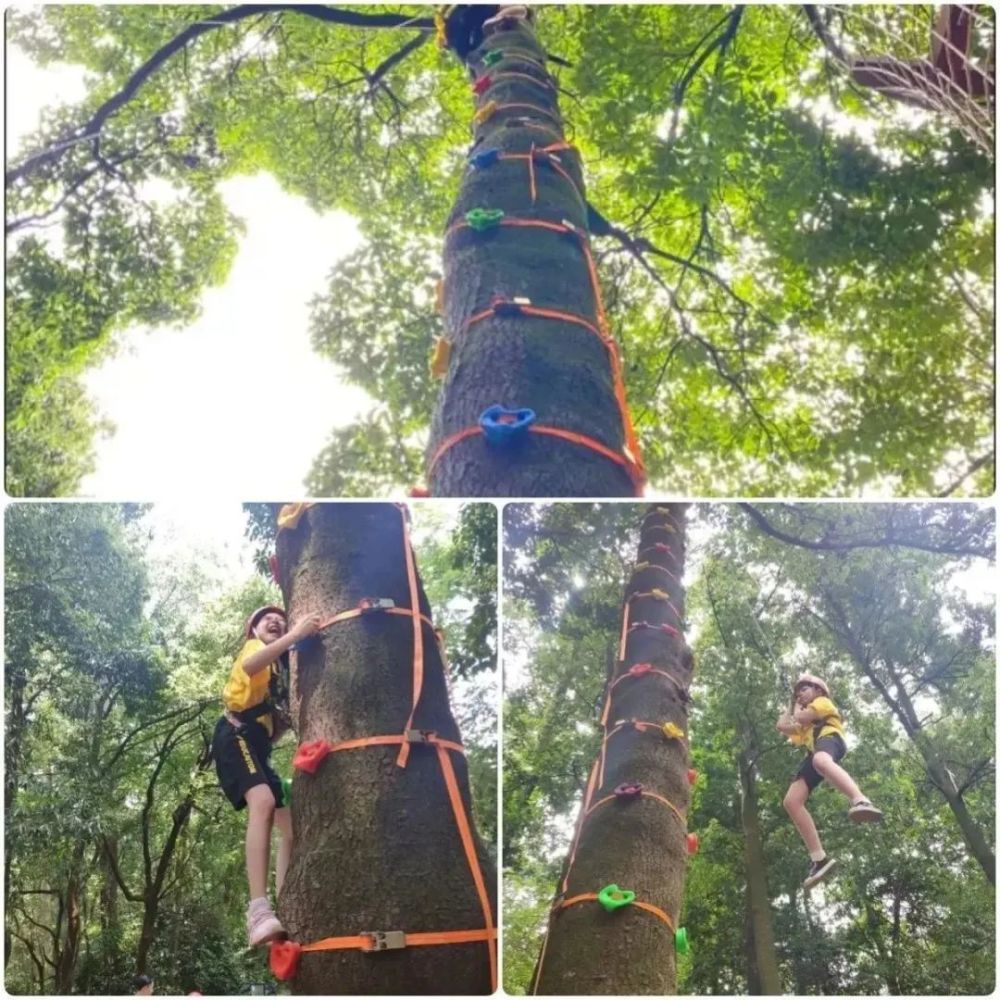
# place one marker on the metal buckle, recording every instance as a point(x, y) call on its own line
point(385, 940)
point(418, 735)
point(375, 604)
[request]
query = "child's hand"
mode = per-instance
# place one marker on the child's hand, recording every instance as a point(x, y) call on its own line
point(309, 625)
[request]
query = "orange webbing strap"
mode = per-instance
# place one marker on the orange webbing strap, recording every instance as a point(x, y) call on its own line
point(631, 723)
point(586, 897)
point(531, 175)
point(418, 637)
point(641, 567)
point(508, 74)
point(588, 795)
point(662, 673)
point(373, 741)
point(462, 821)
point(643, 795)
point(624, 635)
point(343, 616)
point(638, 480)
point(364, 941)
point(554, 115)
point(542, 313)
point(657, 595)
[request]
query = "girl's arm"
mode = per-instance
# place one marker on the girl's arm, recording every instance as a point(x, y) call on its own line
point(264, 657)
point(806, 716)
point(786, 724)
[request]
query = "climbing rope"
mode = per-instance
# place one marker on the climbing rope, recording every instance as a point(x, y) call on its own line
point(284, 955)
point(611, 897)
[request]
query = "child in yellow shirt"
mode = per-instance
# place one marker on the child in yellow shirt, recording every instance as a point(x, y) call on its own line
point(241, 747)
point(815, 723)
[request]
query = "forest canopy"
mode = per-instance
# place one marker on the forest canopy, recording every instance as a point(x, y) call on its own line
point(798, 269)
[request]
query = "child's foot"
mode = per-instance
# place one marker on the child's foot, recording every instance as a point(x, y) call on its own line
point(864, 812)
point(818, 871)
point(262, 925)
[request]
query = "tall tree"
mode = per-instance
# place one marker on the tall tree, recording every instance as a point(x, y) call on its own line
point(613, 923)
point(383, 835)
point(754, 312)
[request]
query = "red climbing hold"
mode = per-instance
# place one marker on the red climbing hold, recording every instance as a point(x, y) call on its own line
point(629, 790)
point(284, 959)
point(419, 492)
point(273, 566)
point(638, 669)
point(481, 84)
point(692, 775)
point(692, 843)
point(310, 755)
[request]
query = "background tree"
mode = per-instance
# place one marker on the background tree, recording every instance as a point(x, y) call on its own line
point(773, 230)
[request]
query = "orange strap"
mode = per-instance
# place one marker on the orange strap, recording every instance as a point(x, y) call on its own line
point(364, 941)
point(372, 741)
point(418, 637)
point(662, 673)
point(508, 74)
point(656, 595)
point(644, 795)
point(507, 107)
point(588, 795)
point(343, 616)
point(648, 907)
point(542, 313)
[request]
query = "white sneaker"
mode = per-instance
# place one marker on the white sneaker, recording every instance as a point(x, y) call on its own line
point(818, 871)
point(864, 812)
point(262, 925)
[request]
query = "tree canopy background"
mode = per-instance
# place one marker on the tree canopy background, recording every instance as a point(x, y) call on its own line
point(812, 311)
point(120, 850)
point(892, 607)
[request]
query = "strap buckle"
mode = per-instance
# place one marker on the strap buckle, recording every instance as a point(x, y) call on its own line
point(419, 735)
point(385, 940)
point(367, 604)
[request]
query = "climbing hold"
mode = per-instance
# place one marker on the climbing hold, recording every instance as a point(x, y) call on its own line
point(508, 307)
point(482, 219)
point(284, 959)
point(272, 563)
point(681, 941)
point(492, 57)
point(309, 756)
point(441, 357)
point(482, 84)
point(639, 566)
point(484, 158)
point(638, 669)
point(502, 426)
point(692, 843)
point(660, 546)
point(629, 790)
point(484, 113)
point(612, 898)
point(692, 775)
point(672, 732)
point(367, 604)
point(419, 492)
point(660, 595)
point(286, 791)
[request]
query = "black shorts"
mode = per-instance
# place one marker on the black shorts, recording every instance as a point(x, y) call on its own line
point(834, 746)
point(243, 760)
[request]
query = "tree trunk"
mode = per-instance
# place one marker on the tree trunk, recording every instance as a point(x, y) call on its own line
point(377, 845)
point(638, 844)
point(566, 370)
point(65, 968)
point(765, 958)
point(109, 885)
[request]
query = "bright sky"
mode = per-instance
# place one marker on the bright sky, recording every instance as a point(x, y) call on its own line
point(238, 404)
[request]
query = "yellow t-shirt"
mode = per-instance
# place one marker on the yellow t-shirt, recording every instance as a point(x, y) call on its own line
point(831, 723)
point(242, 691)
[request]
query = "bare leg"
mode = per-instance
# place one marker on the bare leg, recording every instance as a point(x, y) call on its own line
point(836, 775)
point(283, 821)
point(260, 816)
point(795, 805)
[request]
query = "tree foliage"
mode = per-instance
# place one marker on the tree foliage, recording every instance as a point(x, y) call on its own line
point(799, 273)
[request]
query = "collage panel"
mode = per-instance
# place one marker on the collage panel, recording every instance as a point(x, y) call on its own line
point(579, 250)
point(202, 698)
point(749, 749)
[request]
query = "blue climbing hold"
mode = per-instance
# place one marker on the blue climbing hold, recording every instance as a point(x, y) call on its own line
point(484, 158)
point(503, 427)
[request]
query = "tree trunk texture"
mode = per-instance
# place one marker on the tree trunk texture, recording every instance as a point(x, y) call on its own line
point(638, 844)
point(376, 845)
point(764, 958)
point(555, 367)
point(65, 967)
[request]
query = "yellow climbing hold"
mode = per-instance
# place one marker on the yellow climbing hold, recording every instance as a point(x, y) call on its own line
point(659, 595)
point(291, 513)
point(441, 357)
point(672, 732)
point(484, 113)
point(640, 566)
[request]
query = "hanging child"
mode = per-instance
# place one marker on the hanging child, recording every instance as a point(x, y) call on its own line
point(256, 706)
point(815, 723)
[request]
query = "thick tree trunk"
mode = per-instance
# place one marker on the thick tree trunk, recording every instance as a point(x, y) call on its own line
point(638, 844)
point(377, 846)
point(65, 967)
point(764, 958)
point(557, 367)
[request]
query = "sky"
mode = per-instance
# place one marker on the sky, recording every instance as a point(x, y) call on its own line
point(205, 409)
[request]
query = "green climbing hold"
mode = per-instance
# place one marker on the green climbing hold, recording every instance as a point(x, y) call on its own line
point(613, 898)
point(492, 57)
point(286, 792)
point(482, 219)
point(681, 941)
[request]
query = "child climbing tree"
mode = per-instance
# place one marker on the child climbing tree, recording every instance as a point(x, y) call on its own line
point(614, 924)
point(389, 889)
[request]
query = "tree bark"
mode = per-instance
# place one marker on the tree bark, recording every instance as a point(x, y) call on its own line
point(638, 844)
point(376, 847)
point(558, 368)
point(765, 958)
